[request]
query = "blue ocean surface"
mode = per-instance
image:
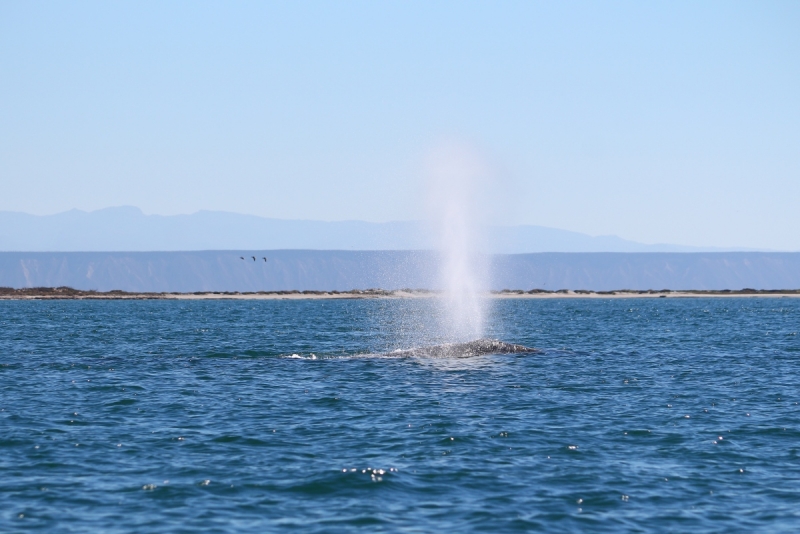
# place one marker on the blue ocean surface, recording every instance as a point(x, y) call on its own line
point(641, 415)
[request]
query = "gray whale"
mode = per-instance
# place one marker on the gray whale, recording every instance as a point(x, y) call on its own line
point(479, 347)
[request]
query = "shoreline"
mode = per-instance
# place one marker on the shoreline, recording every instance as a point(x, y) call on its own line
point(66, 293)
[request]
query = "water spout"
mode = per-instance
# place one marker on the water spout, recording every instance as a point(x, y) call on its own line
point(456, 219)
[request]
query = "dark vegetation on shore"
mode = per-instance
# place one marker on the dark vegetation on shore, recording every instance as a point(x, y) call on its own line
point(70, 293)
point(745, 291)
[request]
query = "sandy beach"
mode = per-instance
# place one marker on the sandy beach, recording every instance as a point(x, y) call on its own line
point(61, 293)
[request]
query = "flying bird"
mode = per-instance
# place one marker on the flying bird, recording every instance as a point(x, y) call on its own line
point(241, 257)
point(265, 259)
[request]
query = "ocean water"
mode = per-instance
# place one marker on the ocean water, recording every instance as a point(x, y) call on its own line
point(657, 415)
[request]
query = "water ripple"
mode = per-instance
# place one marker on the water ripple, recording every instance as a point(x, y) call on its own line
point(239, 416)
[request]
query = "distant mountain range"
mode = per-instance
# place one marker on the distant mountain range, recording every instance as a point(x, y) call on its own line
point(126, 228)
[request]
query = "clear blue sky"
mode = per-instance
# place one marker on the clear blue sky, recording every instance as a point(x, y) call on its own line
point(656, 121)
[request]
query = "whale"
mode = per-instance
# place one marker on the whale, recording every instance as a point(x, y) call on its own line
point(470, 349)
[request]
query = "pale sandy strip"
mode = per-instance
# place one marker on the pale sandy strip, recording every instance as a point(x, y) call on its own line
point(672, 295)
point(396, 295)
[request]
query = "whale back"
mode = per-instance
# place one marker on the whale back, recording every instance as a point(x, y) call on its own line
point(479, 347)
